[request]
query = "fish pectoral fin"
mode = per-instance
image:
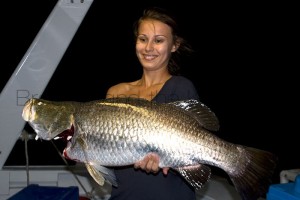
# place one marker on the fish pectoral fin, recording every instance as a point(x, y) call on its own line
point(108, 174)
point(101, 174)
point(196, 175)
point(97, 176)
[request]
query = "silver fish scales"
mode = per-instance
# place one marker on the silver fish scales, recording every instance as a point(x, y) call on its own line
point(122, 131)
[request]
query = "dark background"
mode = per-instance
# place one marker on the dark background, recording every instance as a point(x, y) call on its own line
point(244, 65)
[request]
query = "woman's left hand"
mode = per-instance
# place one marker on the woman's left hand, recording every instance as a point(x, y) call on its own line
point(150, 163)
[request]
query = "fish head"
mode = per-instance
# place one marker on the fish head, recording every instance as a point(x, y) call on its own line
point(47, 118)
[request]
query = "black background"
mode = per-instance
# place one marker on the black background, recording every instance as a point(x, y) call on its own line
point(244, 65)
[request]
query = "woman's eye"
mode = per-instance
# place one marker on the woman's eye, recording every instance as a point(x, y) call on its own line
point(141, 39)
point(158, 41)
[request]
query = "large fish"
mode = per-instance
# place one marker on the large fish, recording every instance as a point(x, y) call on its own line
point(122, 131)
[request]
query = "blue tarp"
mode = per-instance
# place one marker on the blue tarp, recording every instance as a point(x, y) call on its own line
point(285, 191)
point(36, 192)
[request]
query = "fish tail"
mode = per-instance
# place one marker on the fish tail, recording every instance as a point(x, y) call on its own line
point(255, 177)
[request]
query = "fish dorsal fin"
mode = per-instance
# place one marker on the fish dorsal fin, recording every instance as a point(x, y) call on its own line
point(196, 175)
point(200, 112)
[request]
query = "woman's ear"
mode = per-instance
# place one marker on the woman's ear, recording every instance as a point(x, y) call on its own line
point(174, 48)
point(176, 45)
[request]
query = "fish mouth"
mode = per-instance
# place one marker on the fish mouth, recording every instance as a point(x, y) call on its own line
point(26, 113)
point(66, 135)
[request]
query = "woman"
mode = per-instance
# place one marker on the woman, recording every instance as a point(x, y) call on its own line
point(158, 44)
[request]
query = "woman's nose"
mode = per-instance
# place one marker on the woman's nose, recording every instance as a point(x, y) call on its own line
point(149, 46)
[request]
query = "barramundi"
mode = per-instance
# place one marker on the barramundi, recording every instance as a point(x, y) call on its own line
point(122, 131)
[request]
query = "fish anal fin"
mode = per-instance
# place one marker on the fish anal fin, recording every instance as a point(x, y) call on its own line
point(97, 176)
point(196, 175)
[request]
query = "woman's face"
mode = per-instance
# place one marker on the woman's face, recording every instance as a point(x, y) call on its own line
point(154, 44)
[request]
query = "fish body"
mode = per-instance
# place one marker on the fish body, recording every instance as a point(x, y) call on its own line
point(122, 131)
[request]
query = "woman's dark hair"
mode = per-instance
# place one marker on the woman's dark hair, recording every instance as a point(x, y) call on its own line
point(165, 17)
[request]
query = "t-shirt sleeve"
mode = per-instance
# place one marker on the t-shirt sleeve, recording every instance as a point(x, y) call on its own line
point(186, 90)
point(177, 88)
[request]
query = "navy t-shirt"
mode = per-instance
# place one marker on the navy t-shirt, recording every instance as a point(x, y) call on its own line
point(136, 184)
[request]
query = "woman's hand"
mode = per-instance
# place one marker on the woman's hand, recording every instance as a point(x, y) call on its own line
point(150, 164)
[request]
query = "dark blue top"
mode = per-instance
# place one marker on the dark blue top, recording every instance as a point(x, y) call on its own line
point(136, 184)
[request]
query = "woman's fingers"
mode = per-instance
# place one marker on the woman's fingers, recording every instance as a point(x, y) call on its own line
point(150, 163)
point(165, 170)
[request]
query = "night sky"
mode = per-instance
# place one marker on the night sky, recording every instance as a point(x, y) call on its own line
point(244, 65)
